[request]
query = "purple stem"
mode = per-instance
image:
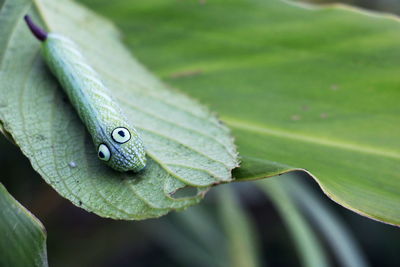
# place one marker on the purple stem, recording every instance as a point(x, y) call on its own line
point(38, 32)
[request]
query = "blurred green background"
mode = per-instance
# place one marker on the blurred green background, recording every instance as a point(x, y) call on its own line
point(390, 6)
point(78, 238)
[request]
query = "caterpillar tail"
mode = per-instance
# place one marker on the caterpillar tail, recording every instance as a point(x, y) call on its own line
point(38, 32)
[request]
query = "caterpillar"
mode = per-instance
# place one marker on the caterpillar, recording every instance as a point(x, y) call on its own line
point(117, 143)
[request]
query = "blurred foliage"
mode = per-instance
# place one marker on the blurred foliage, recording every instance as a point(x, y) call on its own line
point(241, 237)
point(22, 236)
point(311, 251)
point(389, 6)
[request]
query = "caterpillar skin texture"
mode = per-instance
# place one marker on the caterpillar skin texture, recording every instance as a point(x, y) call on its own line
point(117, 143)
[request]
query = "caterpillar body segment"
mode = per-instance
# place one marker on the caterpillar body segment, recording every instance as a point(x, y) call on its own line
point(117, 143)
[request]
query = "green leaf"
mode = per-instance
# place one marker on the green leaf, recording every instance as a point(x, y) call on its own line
point(313, 89)
point(22, 235)
point(186, 145)
point(309, 247)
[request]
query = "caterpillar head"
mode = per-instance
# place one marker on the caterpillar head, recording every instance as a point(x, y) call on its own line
point(123, 150)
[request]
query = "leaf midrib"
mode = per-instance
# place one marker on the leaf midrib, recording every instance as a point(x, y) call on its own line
point(267, 130)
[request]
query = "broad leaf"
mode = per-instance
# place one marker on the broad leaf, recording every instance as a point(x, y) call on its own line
point(186, 145)
point(22, 236)
point(313, 89)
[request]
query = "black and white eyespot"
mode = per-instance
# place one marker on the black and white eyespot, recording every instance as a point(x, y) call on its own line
point(121, 135)
point(103, 152)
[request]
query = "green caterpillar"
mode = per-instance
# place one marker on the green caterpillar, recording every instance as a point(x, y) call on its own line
point(117, 143)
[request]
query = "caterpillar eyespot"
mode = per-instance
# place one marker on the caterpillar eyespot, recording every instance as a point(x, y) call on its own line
point(121, 135)
point(104, 153)
point(117, 143)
